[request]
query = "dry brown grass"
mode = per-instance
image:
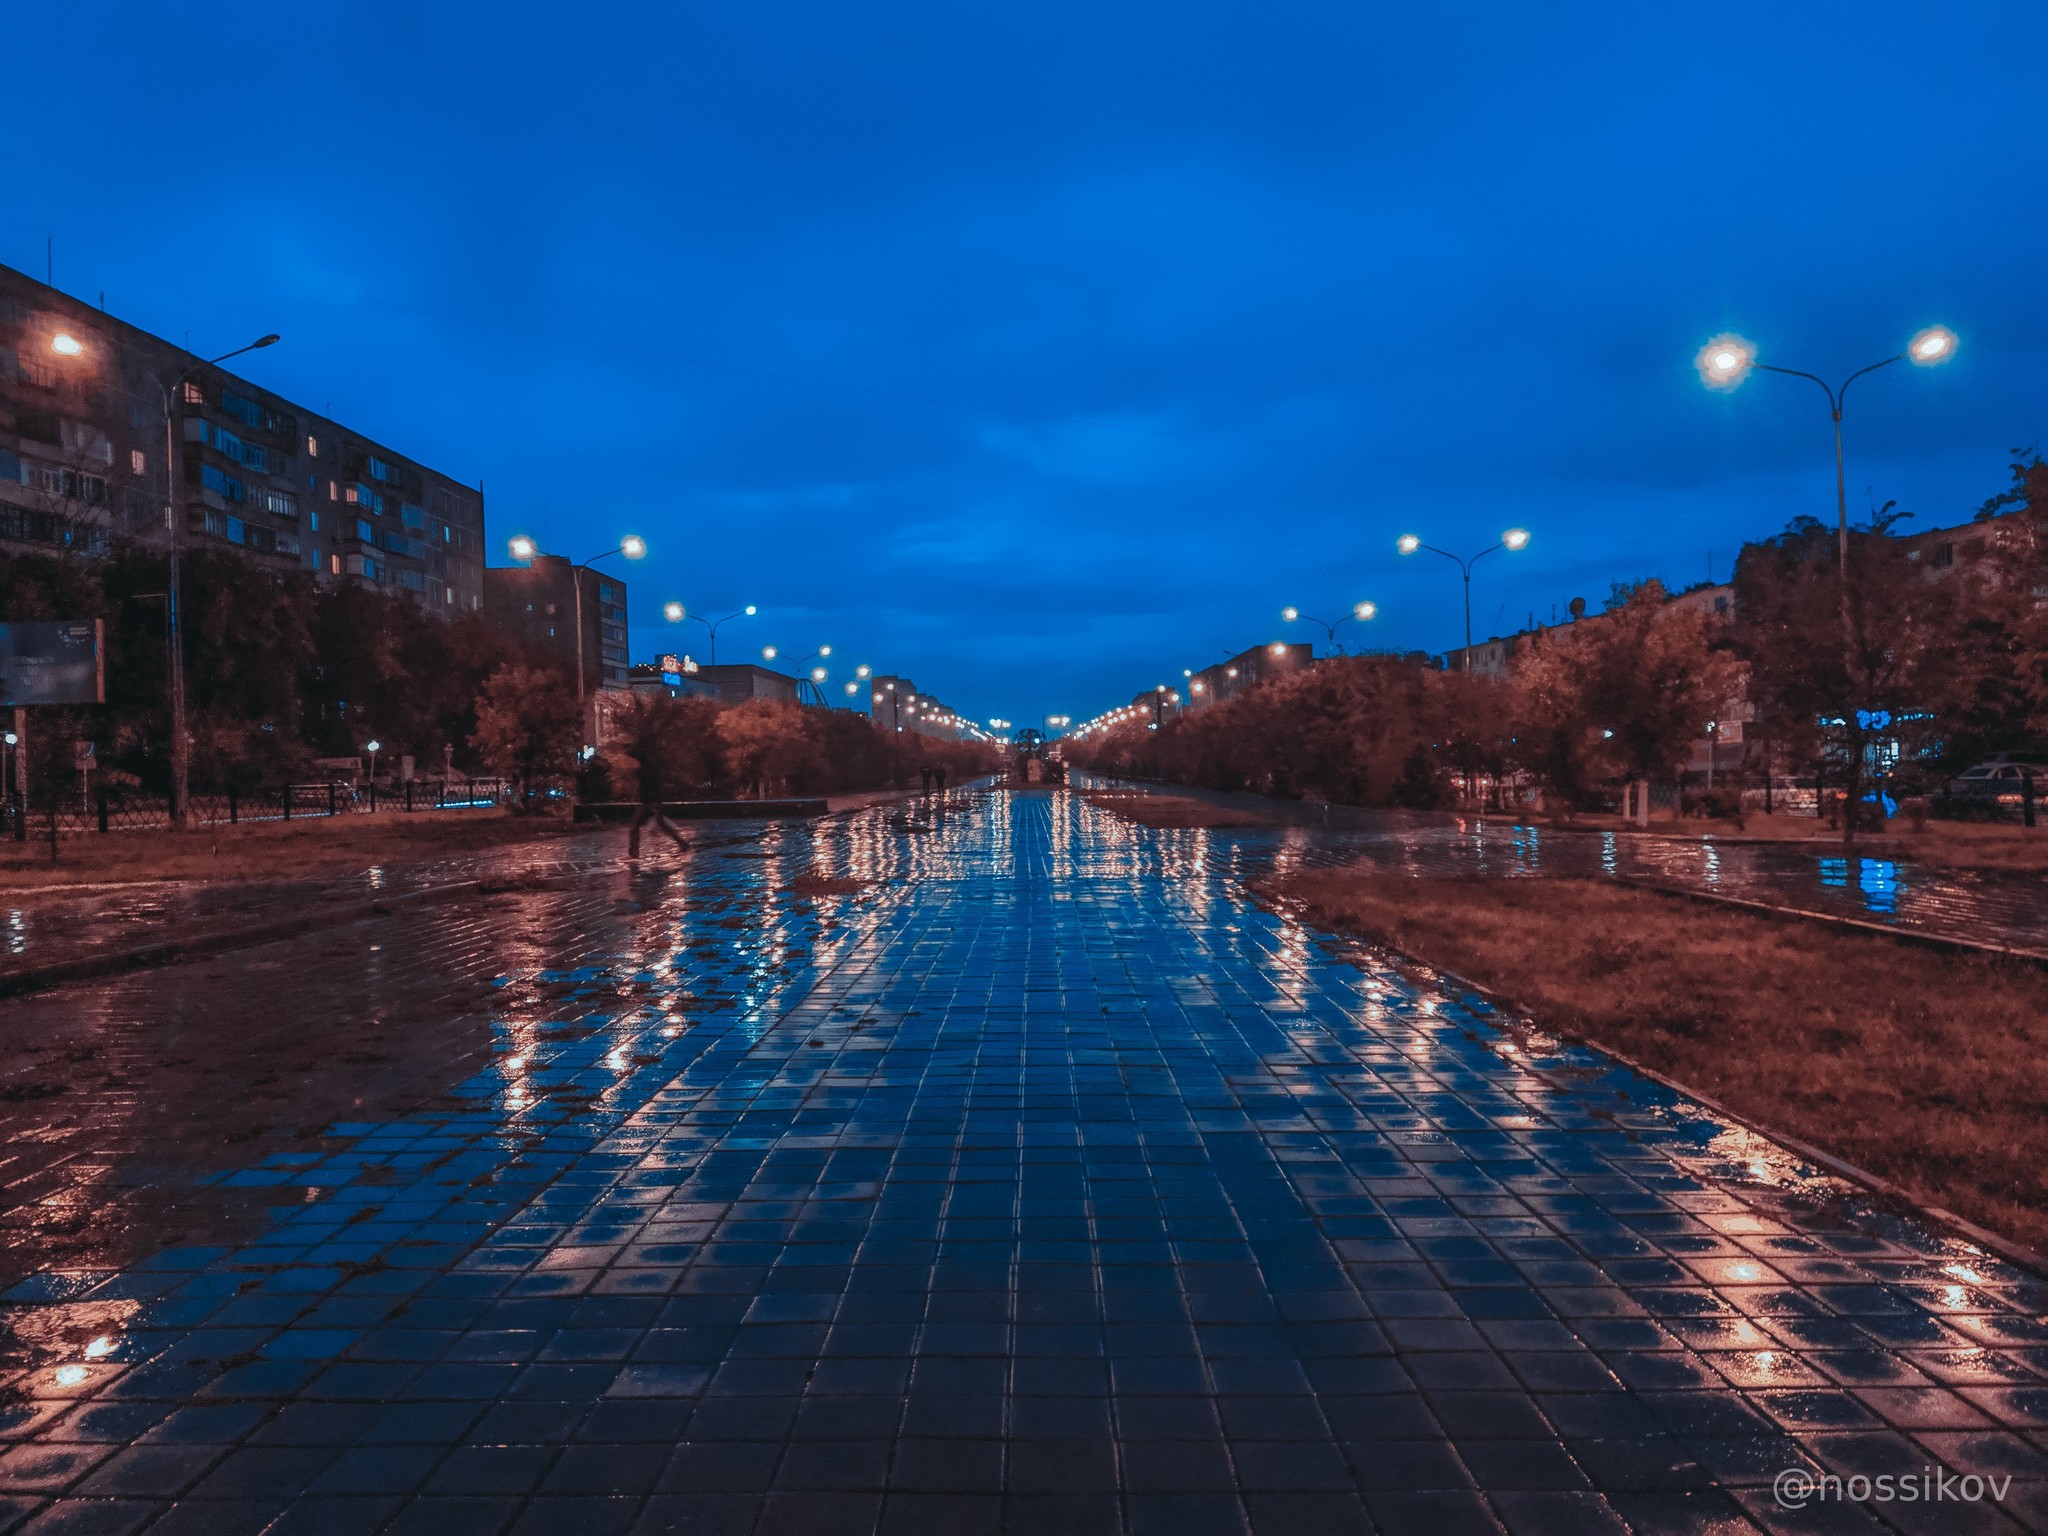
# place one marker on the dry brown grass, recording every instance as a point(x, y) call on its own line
point(1172, 810)
point(1929, 1069)
point(283, 850)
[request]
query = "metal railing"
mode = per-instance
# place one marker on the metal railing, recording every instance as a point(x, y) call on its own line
point(117, 808)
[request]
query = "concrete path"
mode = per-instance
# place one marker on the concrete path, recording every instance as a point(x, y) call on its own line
point(992, 1170)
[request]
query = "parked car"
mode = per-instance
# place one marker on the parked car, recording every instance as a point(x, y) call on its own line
point(2000, 781)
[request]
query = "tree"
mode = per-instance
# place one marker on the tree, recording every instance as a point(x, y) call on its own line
point(529, 727)
point(1813, 692)
point(1625, 694)
point(767, 746)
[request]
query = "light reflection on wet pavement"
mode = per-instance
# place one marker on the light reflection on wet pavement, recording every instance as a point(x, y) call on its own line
point(1039, 1182)
point(2006, 908)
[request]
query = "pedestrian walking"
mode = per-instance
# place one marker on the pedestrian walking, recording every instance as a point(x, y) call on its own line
point(652, 728)
point(926, 773)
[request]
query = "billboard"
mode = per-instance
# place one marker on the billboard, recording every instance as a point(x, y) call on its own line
point(52, 663)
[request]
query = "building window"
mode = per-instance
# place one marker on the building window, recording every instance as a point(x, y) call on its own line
point(313, 521)
point(281, 503)
point(333, 491)
point(379, 470)
point(137, 463)
point(1944, 555)
point(249, 412)
point(334, 564)
point(312, 447)
point(222, 484)
point(415, 517)
point(194, 395)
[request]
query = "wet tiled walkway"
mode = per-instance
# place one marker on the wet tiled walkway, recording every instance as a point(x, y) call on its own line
point(1035, 1182)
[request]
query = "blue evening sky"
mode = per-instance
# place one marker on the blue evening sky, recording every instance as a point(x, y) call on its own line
point(1041, 349)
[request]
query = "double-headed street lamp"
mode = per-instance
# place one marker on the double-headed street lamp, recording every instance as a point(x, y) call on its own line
point(632, 546)
point(1514, 538)
point(66, 345)
point(1362, 612)
point(1726, 361)
point(676, 613)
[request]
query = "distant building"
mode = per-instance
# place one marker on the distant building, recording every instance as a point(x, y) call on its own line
point(738, 683)
point(82, 463)
point(895, 705)
point(673, 677)
point(541, 602)
point(1247, 669)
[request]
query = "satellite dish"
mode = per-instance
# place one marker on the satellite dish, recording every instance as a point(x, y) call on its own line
point(1578, 608)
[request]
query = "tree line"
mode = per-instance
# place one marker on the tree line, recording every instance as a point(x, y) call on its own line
point(281, 670)
point(1947, 660)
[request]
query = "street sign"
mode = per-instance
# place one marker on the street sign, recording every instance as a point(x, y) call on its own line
point(53, 663)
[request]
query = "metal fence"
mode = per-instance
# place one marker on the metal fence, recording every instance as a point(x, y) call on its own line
point(118, 808)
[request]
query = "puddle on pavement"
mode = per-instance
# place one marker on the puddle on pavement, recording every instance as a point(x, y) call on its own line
point(119, 1100)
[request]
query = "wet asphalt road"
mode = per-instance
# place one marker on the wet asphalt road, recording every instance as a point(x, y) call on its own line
point(994, 1169)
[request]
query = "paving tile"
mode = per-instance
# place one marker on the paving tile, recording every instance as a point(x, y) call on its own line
point(1039, 1182)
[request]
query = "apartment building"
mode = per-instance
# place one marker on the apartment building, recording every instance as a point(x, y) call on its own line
point(84, 404)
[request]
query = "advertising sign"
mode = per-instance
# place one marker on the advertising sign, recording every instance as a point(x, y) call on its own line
point(52, 663)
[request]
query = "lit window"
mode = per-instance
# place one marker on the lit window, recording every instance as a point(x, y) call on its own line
point(194, 395)
point(333, 491)
point(312, 447)
point(334, 564)
point(137, 464)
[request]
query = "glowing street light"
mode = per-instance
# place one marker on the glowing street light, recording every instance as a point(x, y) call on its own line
point(676, 613)
point(373, 747)
point(524, 547)
point(65, 345)
point(1513, 539)
point(1723, 364)
point(1359, 611)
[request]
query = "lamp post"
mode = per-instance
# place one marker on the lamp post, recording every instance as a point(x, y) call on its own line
point(65, 345)
point(676, 613)
point(632, 546)
point(1514, 538)
point(1723, 364)
point(373, 746)
point(1359, 611)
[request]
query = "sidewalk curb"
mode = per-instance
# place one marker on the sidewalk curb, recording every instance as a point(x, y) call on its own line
point(169, 951)
point(2016, 1254)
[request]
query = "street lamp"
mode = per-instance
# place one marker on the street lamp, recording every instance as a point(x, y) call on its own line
point(67, 345)
point(1513, 539)
point(1359, 611)
point(632, 546)
point(373, 747)
point(1723, 364)
point(675, 613)
point(181, 746)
